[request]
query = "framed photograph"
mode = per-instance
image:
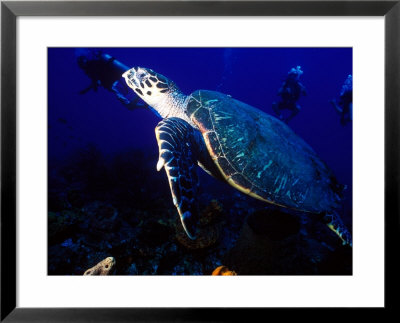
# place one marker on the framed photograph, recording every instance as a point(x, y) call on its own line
point(156, 145)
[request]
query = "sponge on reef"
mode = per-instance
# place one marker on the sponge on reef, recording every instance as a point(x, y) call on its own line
point(103, 268)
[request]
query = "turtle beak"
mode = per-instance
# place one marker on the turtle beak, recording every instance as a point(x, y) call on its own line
point(130, 78)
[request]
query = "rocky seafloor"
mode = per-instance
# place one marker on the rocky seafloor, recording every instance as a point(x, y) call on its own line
point(119, 206)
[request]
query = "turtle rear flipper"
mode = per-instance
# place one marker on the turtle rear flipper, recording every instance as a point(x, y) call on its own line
point(335, 223)
point(177, 154)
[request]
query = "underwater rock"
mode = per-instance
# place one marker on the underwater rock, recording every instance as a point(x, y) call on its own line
point(102, 216)
point(188, 266)
point(62, 225)
point(275, 224)
point(275, 242)
point(168, 263)
point(212, 213)
point(209, 229)
point(147, 236)
point(130, 215)
point(65, 260)
point(223, 271)
point(269, 244)
point(137, 227)
point(75, 198)
point(104, 267)
point(132, 270)
point(256, 254)
point(154, 233)
point(207, 236)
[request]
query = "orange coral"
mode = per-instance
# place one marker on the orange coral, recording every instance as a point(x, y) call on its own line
point(223, 271)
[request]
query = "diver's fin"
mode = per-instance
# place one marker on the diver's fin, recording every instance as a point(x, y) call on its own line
point(177, 142)
point(335, 223)
point(335, 105)
point(86, 89)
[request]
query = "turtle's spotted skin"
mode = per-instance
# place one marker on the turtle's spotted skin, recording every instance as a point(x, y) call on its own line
point(177, 155)
point(232, 141)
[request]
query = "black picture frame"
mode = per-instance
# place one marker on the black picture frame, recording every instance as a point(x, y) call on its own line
point(10, 10)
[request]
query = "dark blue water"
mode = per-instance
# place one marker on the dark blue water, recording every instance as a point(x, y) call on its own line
point(251, 75)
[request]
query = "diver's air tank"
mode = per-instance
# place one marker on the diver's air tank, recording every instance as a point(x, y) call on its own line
point(106, 71)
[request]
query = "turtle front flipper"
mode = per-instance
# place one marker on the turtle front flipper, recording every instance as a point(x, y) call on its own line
point(334, 222)
point(177, 142)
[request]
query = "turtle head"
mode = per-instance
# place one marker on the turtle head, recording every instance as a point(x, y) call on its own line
point(151, 87)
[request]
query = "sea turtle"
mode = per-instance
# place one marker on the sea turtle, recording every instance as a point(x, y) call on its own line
point(254, 152)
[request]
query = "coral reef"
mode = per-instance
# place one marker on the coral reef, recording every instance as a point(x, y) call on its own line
point(131, 217)
point(278, 242)
point(209, 228)
point(62, 225)
point(103, 268)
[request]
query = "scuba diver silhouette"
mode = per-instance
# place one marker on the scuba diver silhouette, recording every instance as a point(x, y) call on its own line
point(345, 104)
point(104, 70)
point(290, 92)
